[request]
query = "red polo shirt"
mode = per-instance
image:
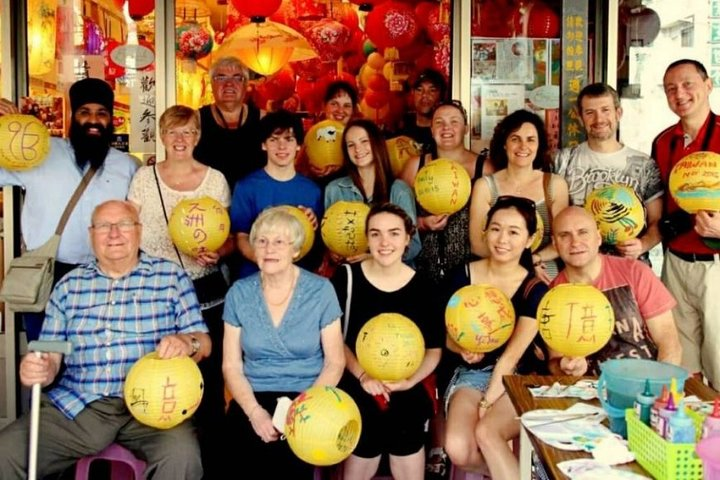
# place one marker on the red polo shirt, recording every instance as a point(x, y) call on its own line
point(669, 148)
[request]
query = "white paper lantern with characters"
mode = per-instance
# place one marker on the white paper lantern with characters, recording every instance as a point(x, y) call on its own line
point(442, 187)
point(343, 228)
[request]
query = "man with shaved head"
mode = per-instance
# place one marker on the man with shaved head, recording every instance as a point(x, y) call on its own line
point(644, 326)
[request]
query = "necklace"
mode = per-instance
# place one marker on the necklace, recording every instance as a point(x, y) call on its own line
point(285, 297)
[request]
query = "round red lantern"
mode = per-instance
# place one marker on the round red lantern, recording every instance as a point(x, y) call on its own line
point(435, 28)
point(376, 99)
point(537, 20)
point(391, 24)
point(329, 37)
point(378, 83)
point(256, 10)
point(139, 8)
point(345, 14)
point(366, 5)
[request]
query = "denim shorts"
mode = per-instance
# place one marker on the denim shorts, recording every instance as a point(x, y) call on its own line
point(464, 377)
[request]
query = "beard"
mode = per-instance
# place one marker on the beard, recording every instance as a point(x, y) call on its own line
point(90, 148)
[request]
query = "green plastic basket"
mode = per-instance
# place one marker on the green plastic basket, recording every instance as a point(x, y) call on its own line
point(662, 459)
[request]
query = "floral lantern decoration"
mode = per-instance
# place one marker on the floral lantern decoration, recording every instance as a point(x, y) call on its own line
point(93, 38)
point(329, 38)
point(391, 24)
point(192, 41)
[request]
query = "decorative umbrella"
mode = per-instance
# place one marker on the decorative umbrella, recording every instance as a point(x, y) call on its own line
point(266, 47)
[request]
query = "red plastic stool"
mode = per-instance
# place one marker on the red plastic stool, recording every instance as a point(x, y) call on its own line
point(123, 464)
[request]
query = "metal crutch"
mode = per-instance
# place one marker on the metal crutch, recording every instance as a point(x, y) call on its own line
point(40, 347)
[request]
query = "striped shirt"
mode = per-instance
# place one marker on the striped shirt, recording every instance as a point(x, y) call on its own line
point(112, 322)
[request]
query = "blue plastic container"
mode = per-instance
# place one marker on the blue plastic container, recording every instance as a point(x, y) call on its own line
point(622, 379)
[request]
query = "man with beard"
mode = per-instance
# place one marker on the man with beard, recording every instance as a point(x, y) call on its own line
point(48, 187)
point(429, 89)
point(602, 160)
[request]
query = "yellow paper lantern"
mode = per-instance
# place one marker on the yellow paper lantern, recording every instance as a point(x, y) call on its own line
point(24, 142)
point(390, 347)
point(479, 318)
point(442, 187)
point(538, 236)
point(343, 228)
point(199, 223)
point(618, 212)
point(307, 227)
point(323, 426)
point(162, 393)
point(323, 144)
point(41, 36)
point(575, 319)
point(401, 149)
point(694, 182)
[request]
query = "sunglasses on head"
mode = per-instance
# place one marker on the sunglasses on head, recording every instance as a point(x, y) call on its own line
point(457, 104)
point(513, 201)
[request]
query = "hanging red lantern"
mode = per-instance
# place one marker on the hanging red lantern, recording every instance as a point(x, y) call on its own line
point(310, 9)
point(391, 24)
point(345, 14)
point(256, 9)
point(329, 38)
point(139, 8)
point(376, 99)
point(367, 5)
point(536, 20)
point(491, 19)
point(436, 28)
point(422, 11)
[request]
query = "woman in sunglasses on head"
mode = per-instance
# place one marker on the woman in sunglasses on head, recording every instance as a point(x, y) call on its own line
point(519, 155)
point(445, 237)
point(480, 417)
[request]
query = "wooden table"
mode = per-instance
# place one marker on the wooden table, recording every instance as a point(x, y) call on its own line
point(516, 387)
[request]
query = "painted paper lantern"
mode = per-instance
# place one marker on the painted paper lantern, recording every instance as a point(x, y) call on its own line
point(391, 24)
point(694, 182)
point(323, 425)
point(192, 41)
point(24, 142)
point(575, 319)
point(137, 9)
point(442, 187)
point(618, 212)
point(401, 149)
point(163, 392)
point(390, 347)
point(309, 238)
point(199, 224)
point(479, 318)
point(256, 9)
point(323, 144)
point(93, 38)
point(536, 20)
point(329, 38)
point(343, 228)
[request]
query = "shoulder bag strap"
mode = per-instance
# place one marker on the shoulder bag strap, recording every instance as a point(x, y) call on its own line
point(74, 199)
point(547, 178)
point(162, 203)
point(348, 298)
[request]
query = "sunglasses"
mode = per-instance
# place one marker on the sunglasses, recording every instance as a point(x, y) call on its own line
point(513, 201)
point(457, 104)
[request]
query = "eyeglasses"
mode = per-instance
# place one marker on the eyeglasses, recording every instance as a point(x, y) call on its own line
point(180, 133)
point(457, 104)
point(228, 78)
point(277, 243)
point(513, 201)
point(124, 226)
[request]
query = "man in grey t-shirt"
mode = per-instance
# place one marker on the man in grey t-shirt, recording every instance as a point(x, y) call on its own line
point(602, 160)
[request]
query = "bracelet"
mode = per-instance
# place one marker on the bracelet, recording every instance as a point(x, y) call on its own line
point(360, 377)
point(257, 405)
point(484, 404)
point(539, 261)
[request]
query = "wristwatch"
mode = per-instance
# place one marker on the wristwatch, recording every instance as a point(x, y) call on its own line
point(195, 344)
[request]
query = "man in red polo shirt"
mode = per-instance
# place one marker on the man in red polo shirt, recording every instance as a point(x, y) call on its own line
point(691, 270)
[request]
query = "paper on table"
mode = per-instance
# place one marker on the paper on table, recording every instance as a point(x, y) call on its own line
point(585, 389)
point(590, 469)
point(568, 432)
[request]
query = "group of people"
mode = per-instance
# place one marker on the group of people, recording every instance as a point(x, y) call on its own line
point(284, 325)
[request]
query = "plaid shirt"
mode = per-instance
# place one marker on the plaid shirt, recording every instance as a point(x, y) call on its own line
point(111, 323)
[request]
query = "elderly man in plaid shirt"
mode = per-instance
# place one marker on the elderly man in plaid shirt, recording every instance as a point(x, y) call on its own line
point(114, 311)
